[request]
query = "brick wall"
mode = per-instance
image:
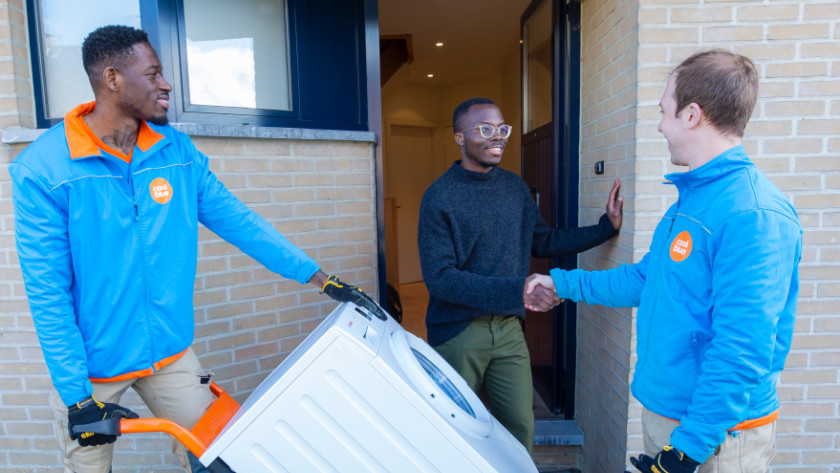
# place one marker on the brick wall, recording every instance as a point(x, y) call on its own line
point(605, 335)
point(792, 138)
point(319, 194)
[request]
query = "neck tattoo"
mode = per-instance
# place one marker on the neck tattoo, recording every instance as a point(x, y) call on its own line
point(122, 140)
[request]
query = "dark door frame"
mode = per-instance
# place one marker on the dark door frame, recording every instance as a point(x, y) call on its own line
point(567, 115)
point(566, 130)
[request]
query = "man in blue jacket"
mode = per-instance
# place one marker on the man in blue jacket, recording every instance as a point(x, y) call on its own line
point(107, 206)
point(716, 292)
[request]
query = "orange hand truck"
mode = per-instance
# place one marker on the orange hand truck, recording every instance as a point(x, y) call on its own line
point(196, 440)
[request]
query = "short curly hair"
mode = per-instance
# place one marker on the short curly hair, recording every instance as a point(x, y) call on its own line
point(464, 107)
point(110, 44)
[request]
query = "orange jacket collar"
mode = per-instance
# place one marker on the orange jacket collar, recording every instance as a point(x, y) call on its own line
point(83, 143)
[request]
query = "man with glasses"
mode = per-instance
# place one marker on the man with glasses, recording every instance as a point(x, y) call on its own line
point(478, 229)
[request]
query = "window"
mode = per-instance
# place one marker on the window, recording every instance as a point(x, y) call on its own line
point(289, 63)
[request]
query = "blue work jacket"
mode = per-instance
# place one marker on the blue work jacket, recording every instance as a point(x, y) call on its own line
point(108, 247)
point(717, 296)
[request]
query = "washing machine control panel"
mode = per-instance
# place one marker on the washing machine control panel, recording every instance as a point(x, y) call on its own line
point(364, 326)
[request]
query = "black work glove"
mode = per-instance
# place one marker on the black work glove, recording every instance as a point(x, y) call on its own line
point(669, 460)
point(88, 411)
point(347, 293)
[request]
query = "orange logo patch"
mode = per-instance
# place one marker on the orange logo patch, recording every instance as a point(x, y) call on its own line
point(681, 247)
point(161, 190)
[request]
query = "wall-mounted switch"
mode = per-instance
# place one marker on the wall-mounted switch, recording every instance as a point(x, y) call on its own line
point(599, 167)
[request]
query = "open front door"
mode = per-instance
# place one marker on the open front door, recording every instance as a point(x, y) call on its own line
point(550, 108)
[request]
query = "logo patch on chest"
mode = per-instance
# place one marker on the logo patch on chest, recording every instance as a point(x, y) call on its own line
point(681, 247)
point(161, 190)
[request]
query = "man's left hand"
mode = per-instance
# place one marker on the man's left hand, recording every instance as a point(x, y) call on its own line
point(669, 460)
point(615, 205)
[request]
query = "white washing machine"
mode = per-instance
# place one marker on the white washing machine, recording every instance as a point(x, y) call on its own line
point(361, 394)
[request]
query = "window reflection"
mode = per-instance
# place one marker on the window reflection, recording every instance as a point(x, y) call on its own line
point(237, 53)
point(63, 27)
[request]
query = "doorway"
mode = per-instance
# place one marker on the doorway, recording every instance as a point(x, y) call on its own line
point(448, 60)
point(550, 161)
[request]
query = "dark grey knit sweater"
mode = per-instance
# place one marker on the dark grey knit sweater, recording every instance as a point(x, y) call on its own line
point(476, 234)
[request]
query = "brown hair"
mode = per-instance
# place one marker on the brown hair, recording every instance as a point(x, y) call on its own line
point(723, 84)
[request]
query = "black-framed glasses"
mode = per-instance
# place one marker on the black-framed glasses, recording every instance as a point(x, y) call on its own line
point(487, 131)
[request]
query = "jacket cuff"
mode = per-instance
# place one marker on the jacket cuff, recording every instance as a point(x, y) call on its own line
point(607, 228)
point(696, 451)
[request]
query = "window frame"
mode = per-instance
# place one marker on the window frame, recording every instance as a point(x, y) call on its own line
point(163, 21)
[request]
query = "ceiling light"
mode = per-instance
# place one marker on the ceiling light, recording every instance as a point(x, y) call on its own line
point(430, 75)
point(439, 44)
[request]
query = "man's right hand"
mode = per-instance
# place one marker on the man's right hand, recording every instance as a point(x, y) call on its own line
point(538, 297)
point(88, 411)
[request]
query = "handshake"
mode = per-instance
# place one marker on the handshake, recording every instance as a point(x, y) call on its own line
point(539, 294)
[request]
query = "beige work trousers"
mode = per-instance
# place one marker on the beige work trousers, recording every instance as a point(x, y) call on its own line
point(174, 392)
point(748, 452)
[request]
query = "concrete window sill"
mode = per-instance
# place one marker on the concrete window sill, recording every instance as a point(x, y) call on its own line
point(28, 135)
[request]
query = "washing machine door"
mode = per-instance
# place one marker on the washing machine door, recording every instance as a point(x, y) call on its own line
point(440, 385)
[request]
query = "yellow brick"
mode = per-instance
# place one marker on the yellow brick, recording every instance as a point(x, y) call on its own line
point(246, 165)
point(827, 11)
point(796, 69)
point(668, 35)
point(701, 14)
point(311, 240)
point(353, 179)
point(293, 194)
point(334, 193)
point(770, 127)
point(817, 202)
point(251, 291)
point(819, 127)
point(313, 180)
point(772, 164)
point(653, 16)
point(257, 351)
point(818, 164)
point(214, 147)
point(820, 88)
point(820, 50)
point(333, 165)
point(303, 148)
point(732, 33)
point(269, 180)
point(296, 226)
point(766, 13)
point(292, 165)
point(265, 147)
point(231, 341)
point(776, 89)
point(274, 212)
point(797, 183)
point(773, 51)
point(314, 209)
point(797, 108)
point(798, 31)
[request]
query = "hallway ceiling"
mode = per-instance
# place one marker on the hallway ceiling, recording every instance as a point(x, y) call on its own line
point(479, 36)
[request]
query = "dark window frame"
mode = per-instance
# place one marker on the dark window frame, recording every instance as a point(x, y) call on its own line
point(308, 76)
